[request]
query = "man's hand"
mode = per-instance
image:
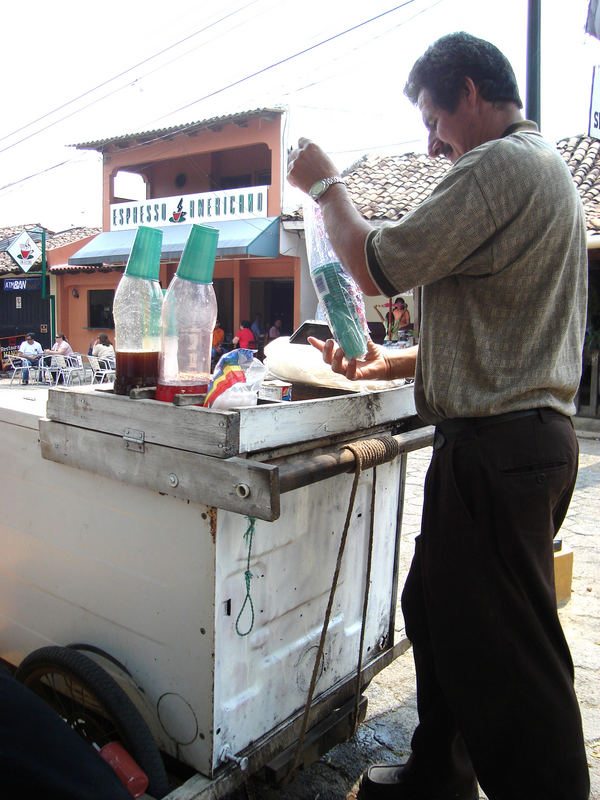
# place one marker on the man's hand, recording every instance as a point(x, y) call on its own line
point(374, 366)
point(308, 164)
point(377, 365)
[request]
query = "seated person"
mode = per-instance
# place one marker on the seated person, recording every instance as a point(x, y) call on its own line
point(63, 348)
point(244, 338)
point(60, 346)
point(275, 330)
point(103, 348)
point(30, 350)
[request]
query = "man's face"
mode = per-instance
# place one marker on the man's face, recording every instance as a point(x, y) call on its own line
point(449, 133)
point(29, 339)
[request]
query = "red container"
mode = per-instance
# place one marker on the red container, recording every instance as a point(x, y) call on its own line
point(126, 768)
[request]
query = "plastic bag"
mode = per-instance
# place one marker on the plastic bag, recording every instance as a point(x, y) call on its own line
point(340, 297)
point(301, 363)
point(236, 380)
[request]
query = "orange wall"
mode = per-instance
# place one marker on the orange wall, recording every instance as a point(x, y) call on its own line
point(72, 312)
point(256, 131)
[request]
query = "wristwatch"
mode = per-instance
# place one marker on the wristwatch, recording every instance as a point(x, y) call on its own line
point(318, 189)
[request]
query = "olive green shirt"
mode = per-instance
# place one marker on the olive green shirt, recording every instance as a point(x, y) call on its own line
point(500, 250)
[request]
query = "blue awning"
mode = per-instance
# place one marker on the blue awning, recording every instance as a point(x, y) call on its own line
point(243, 238)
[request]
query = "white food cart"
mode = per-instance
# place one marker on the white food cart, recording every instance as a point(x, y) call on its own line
point(189, 554)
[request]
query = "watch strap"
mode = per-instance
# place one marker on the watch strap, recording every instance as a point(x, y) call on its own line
point(327, 182)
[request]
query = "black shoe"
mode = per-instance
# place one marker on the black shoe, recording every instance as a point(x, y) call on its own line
point(25, 383)
point(382, 781)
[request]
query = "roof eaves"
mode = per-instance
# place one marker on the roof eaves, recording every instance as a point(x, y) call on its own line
point(214, 123)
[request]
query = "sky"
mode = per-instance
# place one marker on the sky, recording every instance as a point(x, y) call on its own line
point(73, 73)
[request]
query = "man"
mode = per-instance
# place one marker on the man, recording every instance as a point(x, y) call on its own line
point(30, 350)
point(257, 328)
point(502, 238)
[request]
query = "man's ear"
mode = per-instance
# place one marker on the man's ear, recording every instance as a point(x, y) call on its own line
point(470, 92)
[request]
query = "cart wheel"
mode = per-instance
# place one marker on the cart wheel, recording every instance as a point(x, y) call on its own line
point(94, 706)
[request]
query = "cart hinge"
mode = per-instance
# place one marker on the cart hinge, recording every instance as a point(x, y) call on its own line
point(134, 440)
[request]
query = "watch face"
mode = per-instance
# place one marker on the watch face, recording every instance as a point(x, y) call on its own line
point(317, 189)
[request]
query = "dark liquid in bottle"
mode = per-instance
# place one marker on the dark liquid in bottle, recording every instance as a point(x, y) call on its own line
point(135, 370)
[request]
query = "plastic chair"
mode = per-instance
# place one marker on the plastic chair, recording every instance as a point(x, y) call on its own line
point(21, 367)
point(45, 370)
point(103, 369)
point(78, 367)
point(65, 367)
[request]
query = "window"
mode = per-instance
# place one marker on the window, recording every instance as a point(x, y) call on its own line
point(100, 308)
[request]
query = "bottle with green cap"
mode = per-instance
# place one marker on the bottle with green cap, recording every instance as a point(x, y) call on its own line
point(137, 311)
point(188, 319)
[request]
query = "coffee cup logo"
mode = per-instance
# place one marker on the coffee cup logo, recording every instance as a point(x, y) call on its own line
point(180, 214)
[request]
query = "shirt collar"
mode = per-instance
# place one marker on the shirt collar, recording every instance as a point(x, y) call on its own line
point(522, 126)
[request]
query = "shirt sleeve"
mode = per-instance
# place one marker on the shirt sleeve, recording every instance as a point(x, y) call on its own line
point(435, 239)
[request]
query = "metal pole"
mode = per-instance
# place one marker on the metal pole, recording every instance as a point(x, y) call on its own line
point(307, 468)
point(532, 106)
point(44, 264)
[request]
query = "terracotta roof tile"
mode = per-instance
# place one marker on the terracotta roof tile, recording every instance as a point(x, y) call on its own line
point(8, 235)
point(387, 187)
point(239, 118)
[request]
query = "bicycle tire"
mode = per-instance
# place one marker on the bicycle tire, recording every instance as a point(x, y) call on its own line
point(93, 705)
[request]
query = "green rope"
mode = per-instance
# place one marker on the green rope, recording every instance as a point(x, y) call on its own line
point(248, 577)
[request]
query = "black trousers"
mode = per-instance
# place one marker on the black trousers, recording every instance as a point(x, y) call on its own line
point(40, 756)
point(494, 673)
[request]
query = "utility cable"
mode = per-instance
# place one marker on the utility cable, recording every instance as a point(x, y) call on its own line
point(290, 58)
point(218, 91)
point(110, 80)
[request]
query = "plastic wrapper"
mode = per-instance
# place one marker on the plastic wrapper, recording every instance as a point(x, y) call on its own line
point(340, 298)
point(301, 363)
point(236, 381)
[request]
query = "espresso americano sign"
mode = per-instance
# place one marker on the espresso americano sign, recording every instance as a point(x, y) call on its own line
point(230, 204)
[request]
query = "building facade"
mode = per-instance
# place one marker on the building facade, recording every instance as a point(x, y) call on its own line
point(224, 172)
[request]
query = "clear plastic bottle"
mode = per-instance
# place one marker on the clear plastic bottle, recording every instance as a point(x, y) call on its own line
point(339, 295)
point(137, 313)
point(188, 319)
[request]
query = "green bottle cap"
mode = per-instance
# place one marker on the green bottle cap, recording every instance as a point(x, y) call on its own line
point(198, 257)
point(144, 259)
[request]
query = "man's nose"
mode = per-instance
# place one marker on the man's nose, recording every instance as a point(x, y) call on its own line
point(435, 148)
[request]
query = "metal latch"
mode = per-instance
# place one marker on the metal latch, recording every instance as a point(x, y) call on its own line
point(134, 440)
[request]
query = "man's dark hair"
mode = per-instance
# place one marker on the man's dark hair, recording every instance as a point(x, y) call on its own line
point(443, 67)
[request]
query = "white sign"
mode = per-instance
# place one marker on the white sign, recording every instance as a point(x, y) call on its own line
point(227, 205)
point(594, 120)
point(24, 251)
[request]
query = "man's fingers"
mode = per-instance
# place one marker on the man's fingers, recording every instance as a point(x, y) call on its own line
point(330, 350)
point(316, 343)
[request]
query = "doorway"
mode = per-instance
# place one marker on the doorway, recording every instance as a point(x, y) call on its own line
point(273, 299)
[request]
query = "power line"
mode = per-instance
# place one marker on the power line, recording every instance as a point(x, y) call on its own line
point(289, 58)
point(224, 88)
point(35, 174)
point(106, 82)
point(385, 33)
